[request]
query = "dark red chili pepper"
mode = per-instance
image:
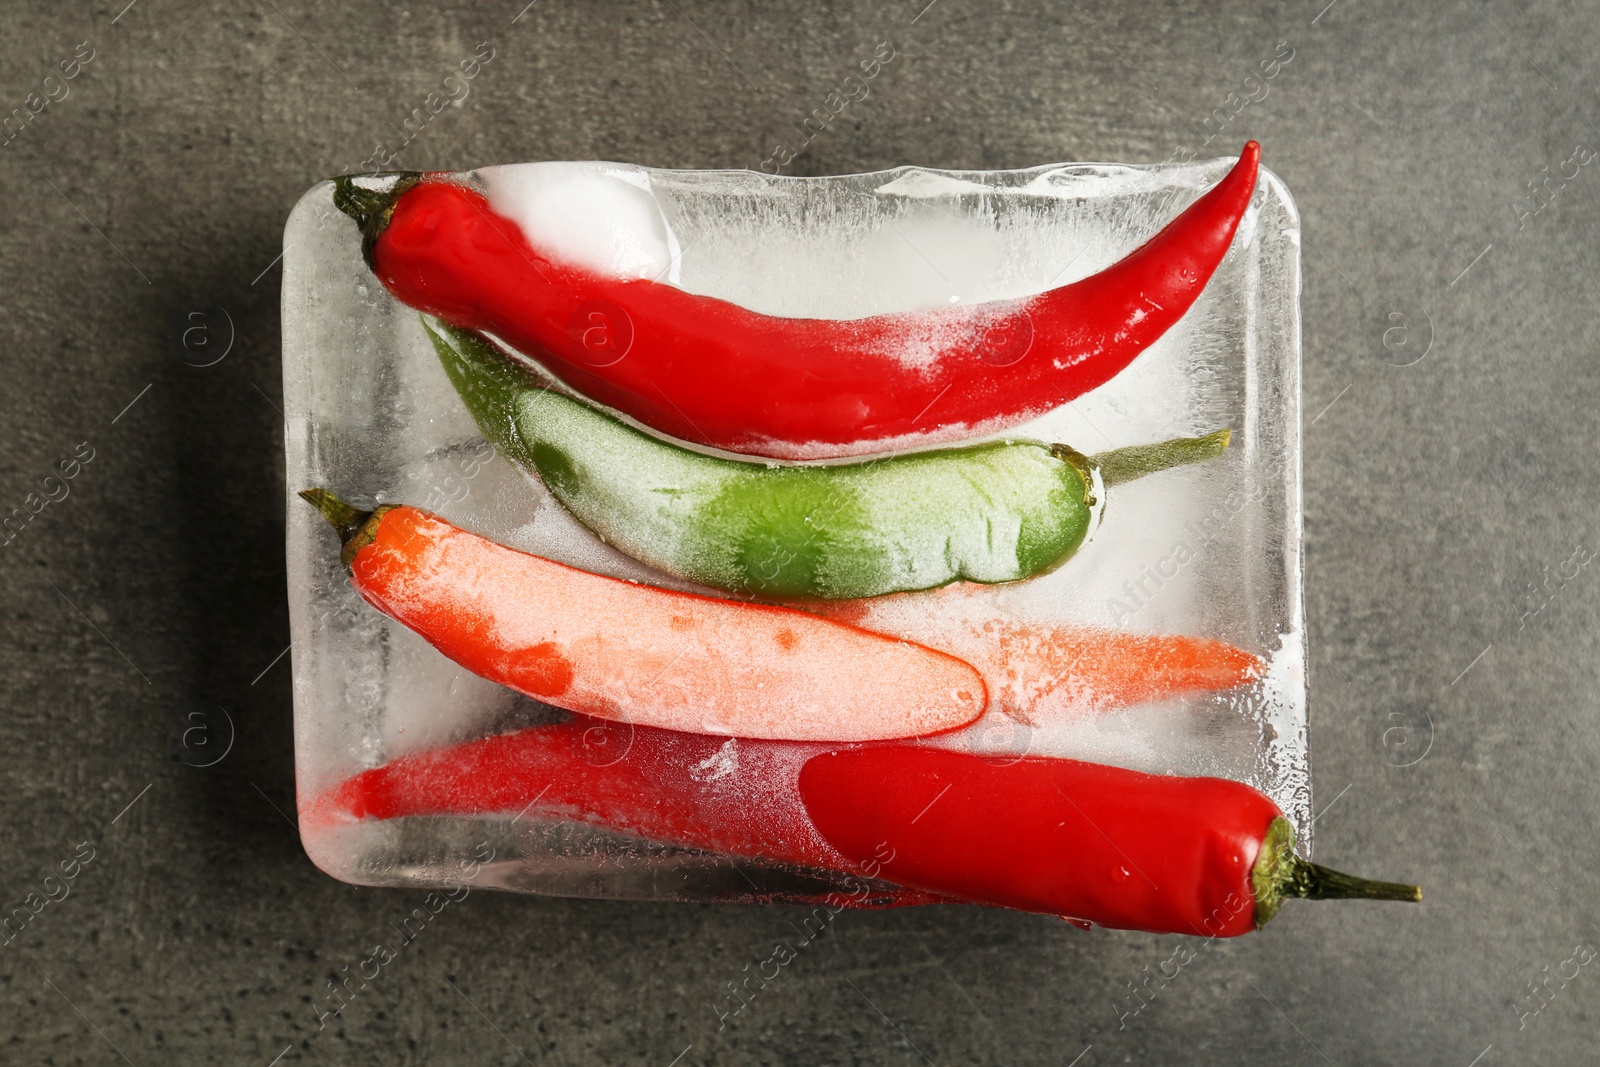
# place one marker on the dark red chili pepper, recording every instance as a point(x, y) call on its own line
point(724, 795)
point(1119, 848)
point(707, 370)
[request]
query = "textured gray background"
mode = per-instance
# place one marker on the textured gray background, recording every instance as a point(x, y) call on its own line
point(1452, 711)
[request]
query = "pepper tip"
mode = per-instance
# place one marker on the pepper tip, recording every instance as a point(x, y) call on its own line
point(1241, 178)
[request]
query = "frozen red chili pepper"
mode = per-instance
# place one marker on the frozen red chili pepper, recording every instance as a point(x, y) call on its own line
point(713, 372)
point(1201, 856)
point(1132, 851)
point(726, 795)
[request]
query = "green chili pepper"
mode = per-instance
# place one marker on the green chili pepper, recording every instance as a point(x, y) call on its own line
point(993, 512)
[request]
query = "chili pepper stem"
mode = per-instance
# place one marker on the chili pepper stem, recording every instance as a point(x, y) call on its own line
point(1279, 874)
point(1125, 464)
point(356, 528)
point(1313, 881)
point(371, 208)
point(345, 518)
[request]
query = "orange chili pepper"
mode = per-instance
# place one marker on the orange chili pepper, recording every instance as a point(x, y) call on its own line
point(619, 650)
point(1037, 673)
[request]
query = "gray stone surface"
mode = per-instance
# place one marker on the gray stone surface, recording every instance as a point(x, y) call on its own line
point(1453, 714)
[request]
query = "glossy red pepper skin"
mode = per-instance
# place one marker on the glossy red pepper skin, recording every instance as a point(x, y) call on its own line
point(713, 372)
point(724, 795)
point(1114, 847)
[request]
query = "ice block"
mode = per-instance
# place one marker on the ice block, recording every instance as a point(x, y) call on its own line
point(1161, 634)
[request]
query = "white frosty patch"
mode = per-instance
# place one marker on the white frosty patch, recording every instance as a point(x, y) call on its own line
point(919, 343)
point(601, 217)
point(721, 763)
point(919, 183)
point(964, 433)
point(1283, 687)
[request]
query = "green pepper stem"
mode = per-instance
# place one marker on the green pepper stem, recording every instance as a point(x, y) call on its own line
point(1125, 464)
point(371, 208)
point(345, 518)
point(1279, 874)
point(1313, 881)
point(356, 528)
